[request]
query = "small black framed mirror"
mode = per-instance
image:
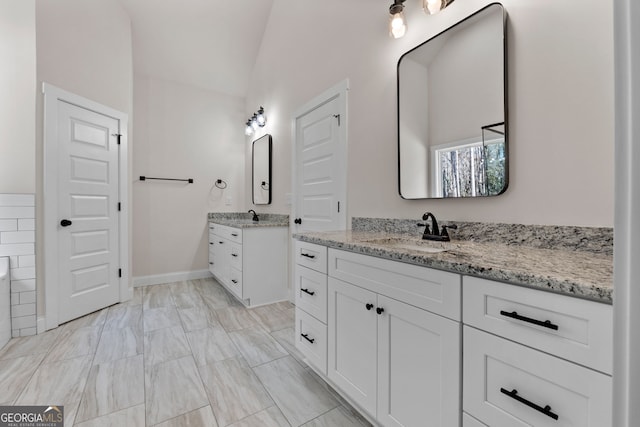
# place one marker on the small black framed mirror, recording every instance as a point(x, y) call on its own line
point(261, 170)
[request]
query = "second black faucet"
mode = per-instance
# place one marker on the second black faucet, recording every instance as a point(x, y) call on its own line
point(434, 232)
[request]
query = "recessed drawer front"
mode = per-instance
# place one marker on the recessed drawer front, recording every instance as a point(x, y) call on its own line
point(311, 340)
point(571, 328)
point(311, 256)
point(469, 421)
point(311, 292)
point(235, 282)
point(433, 290)
point(230, 233)
point(509, 385)
point(235, 256)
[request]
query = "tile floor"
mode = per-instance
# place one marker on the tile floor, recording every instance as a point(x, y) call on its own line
point(181, 354)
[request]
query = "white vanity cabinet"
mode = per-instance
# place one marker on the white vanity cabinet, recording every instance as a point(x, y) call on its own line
point(390, 347)
point(533, 358)
point(251, 262)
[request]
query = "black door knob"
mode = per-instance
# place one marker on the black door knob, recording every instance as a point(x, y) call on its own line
point(65, 223)
point(379, 310)
point(369, 306)
point(297, 221)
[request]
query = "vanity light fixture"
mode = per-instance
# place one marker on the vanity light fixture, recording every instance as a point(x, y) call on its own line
point(254, 122)
point(397, 20)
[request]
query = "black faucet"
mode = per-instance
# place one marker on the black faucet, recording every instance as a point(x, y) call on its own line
point(434, 232)
point(255, 215)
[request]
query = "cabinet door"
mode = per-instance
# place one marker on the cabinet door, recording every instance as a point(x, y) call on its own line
point(221, 256)
point(418, 367)
point(212, 255)
point(352, 336)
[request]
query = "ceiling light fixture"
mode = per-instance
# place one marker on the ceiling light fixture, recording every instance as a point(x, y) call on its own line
point(259, 119)
point(397, 20)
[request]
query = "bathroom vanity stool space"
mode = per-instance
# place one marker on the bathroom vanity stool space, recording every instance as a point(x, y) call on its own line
point(413, 346)
point(250, 262)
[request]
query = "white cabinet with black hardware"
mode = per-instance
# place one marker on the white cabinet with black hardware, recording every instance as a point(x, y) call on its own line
point(251, 262)
point(391, 356)
point(533, 358)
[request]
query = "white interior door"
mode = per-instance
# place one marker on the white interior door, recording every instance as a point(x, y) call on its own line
point(87, 222)
point(320, 163)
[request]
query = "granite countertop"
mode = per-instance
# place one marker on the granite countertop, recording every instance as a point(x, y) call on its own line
point(577, 273)
point(244, 220)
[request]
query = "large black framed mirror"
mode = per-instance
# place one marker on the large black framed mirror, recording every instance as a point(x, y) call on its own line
point(452, 111)
point(261, 170)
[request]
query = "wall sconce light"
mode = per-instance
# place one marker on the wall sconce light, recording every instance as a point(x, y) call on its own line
point(254, 122)
point(397, 21)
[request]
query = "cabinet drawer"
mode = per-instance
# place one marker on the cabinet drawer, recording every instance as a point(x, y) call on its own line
point(311, 292)
point(469, 421)
point(433, 290)
point(233, 234)
point(510, 385)
point(311, 256)
point(235, 282)
point(584, 328)
point(235, 256)
point(311, 340)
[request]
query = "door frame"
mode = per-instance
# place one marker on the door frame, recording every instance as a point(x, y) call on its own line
point(52, 95)
point(339, 91)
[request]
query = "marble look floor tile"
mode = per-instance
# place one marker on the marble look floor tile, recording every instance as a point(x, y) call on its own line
point(286, 338)
point(211, 345)
point(111, 387)
point(124, 316)
point(339, 416)
point(130, 417)
point(157, 296)
point(274, 318)
point(25, 346)
point(234, 391)
point(202, 417)
point(75, 343)
point(270, 417)
point(215, 297)
point(90, 320)
point(158, 318)
point(298, 395)
point(119, 344)
point(173, 388)
point(233, 318)
point(70, 412)
point(165, 344)
point(198, 318)
point(61, 382)
point(14, 375)
point(257, 346)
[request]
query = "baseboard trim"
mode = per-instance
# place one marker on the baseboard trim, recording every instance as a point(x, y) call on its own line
point(178, 276)
point(41, 324)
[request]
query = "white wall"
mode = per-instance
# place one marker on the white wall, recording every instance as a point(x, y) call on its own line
point(182, 132)
point(560, 90)
point(83, 47)
point(17, 96)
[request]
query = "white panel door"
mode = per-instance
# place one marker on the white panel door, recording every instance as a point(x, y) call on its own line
point(320, 187)
point(88, 242)
point(352, 342)
point(418, 367)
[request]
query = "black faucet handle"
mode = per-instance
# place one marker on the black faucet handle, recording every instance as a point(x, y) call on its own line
point(427, 230)
point(445, 233)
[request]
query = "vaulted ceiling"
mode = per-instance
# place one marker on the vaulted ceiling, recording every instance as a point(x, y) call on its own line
point(211, 44)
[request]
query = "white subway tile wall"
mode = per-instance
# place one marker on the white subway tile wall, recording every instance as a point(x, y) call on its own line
point(17, 241)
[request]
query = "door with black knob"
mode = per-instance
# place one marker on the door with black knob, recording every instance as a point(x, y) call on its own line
point(352, 341)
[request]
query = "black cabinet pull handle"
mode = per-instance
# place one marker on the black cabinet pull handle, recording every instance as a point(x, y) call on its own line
point(514, 395)
point(515, 315)
point(211, 243)
point(307, 255)
point(234, 234)
point(234, 255)
point(234, 281)
point(65, 223)
point(306, 337)
point(379, 310)
point(210, 263)
point(221, 242)
point(307, 291)
point(297, 221)
point(369, 306)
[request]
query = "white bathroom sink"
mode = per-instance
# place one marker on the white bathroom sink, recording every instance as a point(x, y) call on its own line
point(412, 244)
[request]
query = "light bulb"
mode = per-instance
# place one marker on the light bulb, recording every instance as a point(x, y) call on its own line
point(397, 25)
point(431, 7)
point(254, 122)
point(248, 130)
point(260, 118)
